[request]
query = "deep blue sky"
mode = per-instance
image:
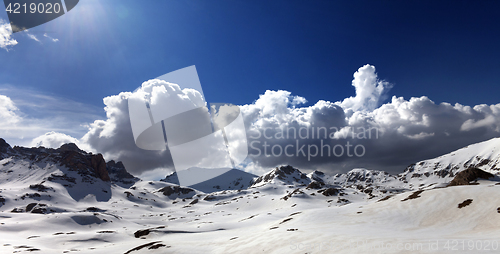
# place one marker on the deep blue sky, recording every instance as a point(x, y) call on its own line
point(446, 50)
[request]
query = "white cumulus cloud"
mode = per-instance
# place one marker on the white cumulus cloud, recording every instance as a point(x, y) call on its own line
point(393, 134)
point(8, 112)
point(370, 91)
point(5, 35)
point(53, 140)
point(113, 138)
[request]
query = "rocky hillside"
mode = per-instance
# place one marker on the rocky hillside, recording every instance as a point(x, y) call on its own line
point(441, 170)
point(46, 169)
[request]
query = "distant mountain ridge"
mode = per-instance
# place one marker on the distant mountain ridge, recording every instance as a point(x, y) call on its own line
point(441, 170)
point(233, 179)
point(424, 174)
point(437, 172)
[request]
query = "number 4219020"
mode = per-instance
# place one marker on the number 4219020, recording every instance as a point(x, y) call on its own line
point(34, 8)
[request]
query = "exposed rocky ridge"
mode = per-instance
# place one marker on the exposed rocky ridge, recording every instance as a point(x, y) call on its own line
point(87, 165)
point(362, 176)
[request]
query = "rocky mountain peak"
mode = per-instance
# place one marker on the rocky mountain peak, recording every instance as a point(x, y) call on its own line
point(317, 176)
point(171, 178)
point(3, 145)
point(119, 175)
point(5, 149)
point(286, 174)
point(89, 166)
point(70, 147)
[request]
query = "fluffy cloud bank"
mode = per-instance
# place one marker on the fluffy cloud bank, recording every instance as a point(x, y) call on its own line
point(53, 139)
point(369, 133)
point(8, 112)
point(5, 35)
point(360, 131)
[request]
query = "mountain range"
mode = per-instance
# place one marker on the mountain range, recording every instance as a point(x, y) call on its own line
point(68, 200)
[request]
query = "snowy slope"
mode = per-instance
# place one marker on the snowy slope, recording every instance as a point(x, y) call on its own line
point(258, 220)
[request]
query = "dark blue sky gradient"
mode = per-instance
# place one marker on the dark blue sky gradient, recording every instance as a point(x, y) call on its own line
point(446, 50)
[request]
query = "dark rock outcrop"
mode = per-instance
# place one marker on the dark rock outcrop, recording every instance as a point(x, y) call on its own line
point(99, 165)
point(40, 187)
point(87, 165)
point(145, 232)
point(171, 190)
point(467, 176)
point(465, 203)
point(315, 185)
point(5, 149)
point(329, 192)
